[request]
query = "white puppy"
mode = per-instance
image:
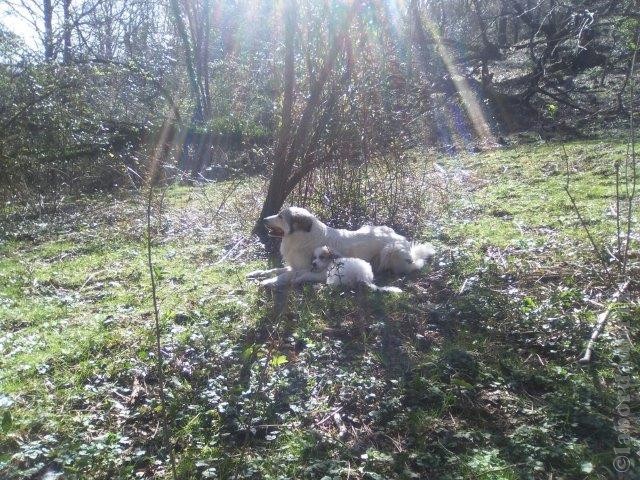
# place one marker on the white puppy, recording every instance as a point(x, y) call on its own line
point(347, 272)
point(302, 233)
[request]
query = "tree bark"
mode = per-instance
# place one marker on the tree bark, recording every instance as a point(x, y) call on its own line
point(191, 73)
point(292, 147)
point(66, 48)
point(420, 35)
point(502, 27)
point(275, 193)
point(47, 9)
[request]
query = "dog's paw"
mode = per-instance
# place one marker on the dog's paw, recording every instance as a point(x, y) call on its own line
point(255, 274)
point(270, 283)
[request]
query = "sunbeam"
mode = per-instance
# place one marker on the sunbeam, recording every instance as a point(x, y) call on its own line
point(469, 100)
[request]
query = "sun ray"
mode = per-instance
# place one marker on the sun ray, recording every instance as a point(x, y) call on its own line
point(469, 100)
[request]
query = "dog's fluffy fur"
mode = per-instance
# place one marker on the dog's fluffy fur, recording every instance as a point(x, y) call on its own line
point(302, 233)
point(404, 257)
point(346, 272)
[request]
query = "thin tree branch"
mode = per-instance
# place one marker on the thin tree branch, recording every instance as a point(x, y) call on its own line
point(166, 429)
point(634, 173)
point(596, 249)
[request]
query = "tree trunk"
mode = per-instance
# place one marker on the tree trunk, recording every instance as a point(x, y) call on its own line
point(420, 35)
point(48, 30)
point(489, 50)
point(188, 55)
point(502, 27)
point(275, 194)
point(66, 52)
point(292, 147)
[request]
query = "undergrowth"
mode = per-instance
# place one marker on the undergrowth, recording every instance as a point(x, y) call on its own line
point(471, 373)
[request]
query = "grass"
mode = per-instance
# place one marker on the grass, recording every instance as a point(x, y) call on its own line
point(533, 202)
point(471, 373)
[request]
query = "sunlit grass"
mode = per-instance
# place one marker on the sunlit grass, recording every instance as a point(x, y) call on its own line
point(530, 200)
point(459, 380)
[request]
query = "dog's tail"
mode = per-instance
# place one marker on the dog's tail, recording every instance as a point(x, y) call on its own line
point(421, 253)
point(376, 288)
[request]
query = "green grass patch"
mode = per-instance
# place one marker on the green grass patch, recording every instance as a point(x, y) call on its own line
point(470, 373)
point(522, 192)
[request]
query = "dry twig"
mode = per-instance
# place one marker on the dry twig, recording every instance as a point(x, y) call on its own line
point(166, 431)
point(602, 319)
point(583, 223)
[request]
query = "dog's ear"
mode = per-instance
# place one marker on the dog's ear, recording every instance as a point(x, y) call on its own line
point(301, 223)
point(333, 255)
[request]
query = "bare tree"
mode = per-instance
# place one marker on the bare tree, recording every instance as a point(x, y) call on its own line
point(47, 10)
point(67, 28)
point(296, 139)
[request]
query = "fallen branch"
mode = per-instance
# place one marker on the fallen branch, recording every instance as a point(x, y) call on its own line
point(228, 253)
point(89, 278)
point(564, 101)
point(320, 422)
point(602, 320)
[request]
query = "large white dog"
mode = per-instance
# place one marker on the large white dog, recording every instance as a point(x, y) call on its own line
point(302, 233)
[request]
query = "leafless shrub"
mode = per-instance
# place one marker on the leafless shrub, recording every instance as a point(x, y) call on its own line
point(395, 189)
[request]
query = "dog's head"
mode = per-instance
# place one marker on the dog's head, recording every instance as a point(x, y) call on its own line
point(288, 221)
point(322, 257)
point(398, 258)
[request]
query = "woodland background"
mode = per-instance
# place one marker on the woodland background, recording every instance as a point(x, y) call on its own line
point(502, 131)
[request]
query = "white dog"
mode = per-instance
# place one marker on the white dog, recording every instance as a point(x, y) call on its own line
point(346, 272)
point(302, 233)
